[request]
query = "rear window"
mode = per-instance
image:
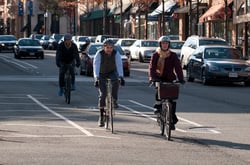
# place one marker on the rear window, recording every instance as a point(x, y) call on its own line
point(212, 42)
point(222, 53)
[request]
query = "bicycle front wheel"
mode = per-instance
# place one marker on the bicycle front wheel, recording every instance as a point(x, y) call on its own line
point(168, 120)
point(67, 90)
point(163, 118)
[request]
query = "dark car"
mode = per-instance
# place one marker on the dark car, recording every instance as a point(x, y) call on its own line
point(53, 41)
point(218, 64)
point(28, 47)
point(7, 42)
point(88, 56)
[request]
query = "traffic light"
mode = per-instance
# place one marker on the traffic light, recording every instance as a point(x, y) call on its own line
point(20, 7)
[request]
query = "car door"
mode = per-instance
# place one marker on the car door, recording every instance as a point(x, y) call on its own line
point(197, 62)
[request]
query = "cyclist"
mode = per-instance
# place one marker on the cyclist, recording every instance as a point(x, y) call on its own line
point(107, 63)
point(165, 66)
point(66, 53)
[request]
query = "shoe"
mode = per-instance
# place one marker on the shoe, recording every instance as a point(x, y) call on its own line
point(73, 87)
point(115, 104)
point(101, 121)
point(172, 127)
point(157, 111)
point(60, 92)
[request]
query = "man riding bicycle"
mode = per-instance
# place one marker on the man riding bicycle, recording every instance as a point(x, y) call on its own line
point(165, 66)
point(107, 63)
point(67, 53)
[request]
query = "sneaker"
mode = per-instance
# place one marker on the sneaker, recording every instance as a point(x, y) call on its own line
point(60, 92)
point(101, 121)
point(73, 87)
point(116, 105)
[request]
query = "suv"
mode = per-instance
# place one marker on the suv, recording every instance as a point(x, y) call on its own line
point(194, 42)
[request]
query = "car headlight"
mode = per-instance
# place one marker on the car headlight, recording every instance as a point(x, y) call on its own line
point(247, 69)
point(213, 68)
point(148, 52)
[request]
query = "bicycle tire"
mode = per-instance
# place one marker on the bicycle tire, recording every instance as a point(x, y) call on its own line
point(67, 90)
point(163, 118)
point(168, 120)
point(111, 114)
point(107, 113)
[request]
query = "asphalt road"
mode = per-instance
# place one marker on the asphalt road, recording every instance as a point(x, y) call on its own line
point(38, 127)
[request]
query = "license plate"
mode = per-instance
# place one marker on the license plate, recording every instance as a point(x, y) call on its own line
point(232, 74)
point(32, 54)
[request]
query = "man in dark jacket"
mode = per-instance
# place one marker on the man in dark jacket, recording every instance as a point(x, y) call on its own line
point(67, 53)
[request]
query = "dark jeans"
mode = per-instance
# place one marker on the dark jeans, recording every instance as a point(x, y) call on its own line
point(103, 88)
point(62, 72)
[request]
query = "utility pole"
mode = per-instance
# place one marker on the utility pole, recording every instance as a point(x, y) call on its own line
point(163, 19)
point(121, 19)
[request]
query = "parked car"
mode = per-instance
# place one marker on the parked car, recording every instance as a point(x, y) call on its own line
point(88, 55)
point(36, 36)
point(53, 41)
point(142, 50)
point(194, 42)
point(101, 38)
point(28, 47)
point(175, 46)
point(7, 42)
point(125, 43)
point(216, 63)
point(44, 41)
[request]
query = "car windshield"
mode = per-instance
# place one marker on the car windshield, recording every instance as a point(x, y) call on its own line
point(7, 38)
point(222, 53)
point(82, 39)
point(213, 42)
point(127, 42)
point(149, 44)
point(176, 45)
point(29, 43)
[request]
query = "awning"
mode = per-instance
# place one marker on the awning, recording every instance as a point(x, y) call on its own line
point(167, 8)
point(156, 18)
point(186, 9)
point(216, 12)
point(117, 10)
point(96, 14)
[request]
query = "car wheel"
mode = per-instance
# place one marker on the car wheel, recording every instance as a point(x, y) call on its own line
point(189, 77)
point(204, 79)
point(42, 56)
point(140, 58)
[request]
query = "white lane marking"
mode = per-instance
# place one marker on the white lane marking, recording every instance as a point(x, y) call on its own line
point(61, 117)
point(19, 63)
point(185, 120)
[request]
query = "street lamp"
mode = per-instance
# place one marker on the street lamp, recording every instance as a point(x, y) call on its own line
point(45, 21)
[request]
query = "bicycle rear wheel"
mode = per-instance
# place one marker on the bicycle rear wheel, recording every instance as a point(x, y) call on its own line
point(111, 114)
point(168, 120)
point(67, 89)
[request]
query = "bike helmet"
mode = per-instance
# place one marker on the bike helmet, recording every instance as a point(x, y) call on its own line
point(67, 36)
point(108, 42)
point(164, 39)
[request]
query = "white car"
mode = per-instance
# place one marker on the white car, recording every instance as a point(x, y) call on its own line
point(79, 41)
point(142, 50)
point(125, 43)
point(193, 42)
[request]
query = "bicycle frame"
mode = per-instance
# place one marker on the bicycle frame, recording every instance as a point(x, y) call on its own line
point(167, 94)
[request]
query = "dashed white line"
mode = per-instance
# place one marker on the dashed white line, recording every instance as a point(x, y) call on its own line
point(61, 117)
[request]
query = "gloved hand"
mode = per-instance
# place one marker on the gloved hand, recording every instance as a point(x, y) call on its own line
point(122, 81)
point(96, 83)
point(182, 82)
point(77, 65)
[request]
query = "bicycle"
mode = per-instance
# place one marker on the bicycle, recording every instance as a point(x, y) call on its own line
point(109, 106)
point(67, 87)
point(167, 92)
